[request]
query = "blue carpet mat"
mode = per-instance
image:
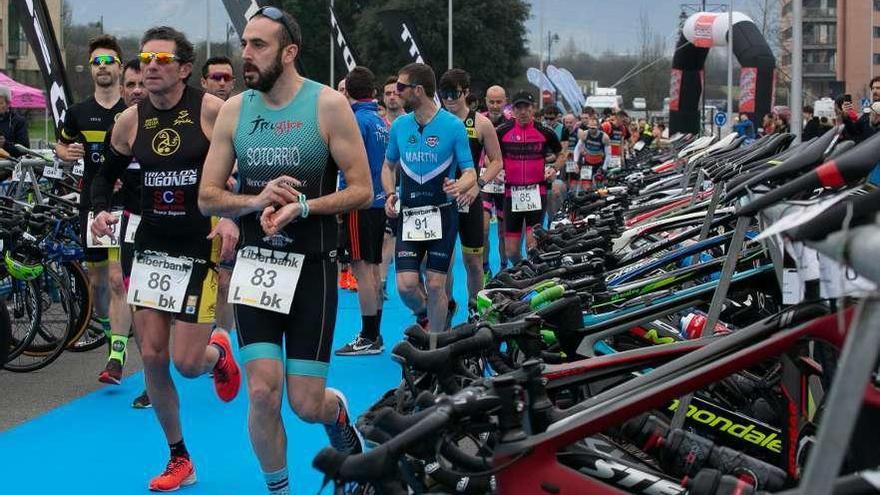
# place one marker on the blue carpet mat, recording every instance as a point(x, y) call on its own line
point(98, 444)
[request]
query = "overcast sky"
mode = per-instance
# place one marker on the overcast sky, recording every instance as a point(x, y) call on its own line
point(594, 25)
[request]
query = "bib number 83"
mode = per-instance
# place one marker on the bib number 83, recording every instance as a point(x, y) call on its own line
point(259, 275)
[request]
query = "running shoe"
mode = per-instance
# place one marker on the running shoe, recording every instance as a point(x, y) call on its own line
point(227, 377)
point(142, 401)
point(112, 373)
point(343, 436)
point(352, 282)
point(361, 346)
point(179, 472)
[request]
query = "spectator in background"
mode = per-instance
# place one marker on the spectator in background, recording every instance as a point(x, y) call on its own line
point(781, 124)
point(768, 125)
point(859, 128)
point(824, 125)
point(218, 77)
point(13, 127)
point(745, 126)
point(812, 128)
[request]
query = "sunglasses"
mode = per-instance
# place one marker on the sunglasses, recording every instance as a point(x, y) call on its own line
point(220, 76)
point(276, 15)
point(161, 58)
point(401, 87)
point(105, 60)
point(450, 94)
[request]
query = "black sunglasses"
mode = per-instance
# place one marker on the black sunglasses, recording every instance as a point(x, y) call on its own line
point(401, 87)
point(450, 94)
point(276, 15)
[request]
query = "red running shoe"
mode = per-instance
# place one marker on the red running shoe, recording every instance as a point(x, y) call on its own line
point(227, 377)
point(179, 472)
point(112, 373)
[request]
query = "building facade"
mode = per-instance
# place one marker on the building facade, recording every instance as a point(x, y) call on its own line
point(841, 49)
point(17, 59)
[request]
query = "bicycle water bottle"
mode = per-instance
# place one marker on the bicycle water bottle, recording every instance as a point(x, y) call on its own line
point(692, 325)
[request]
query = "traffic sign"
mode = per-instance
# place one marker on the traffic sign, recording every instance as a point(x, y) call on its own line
point(720, 119)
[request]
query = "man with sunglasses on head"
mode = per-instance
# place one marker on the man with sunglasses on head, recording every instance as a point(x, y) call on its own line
point(176, 247)
point(218, 78)
point(428, 146)
point(290, 135)
point(81, 140)
point(454, 90)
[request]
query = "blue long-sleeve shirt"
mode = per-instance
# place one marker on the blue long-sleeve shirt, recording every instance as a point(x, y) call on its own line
point(375, 135)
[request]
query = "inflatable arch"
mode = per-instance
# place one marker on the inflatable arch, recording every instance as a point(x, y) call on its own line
point(757, 78)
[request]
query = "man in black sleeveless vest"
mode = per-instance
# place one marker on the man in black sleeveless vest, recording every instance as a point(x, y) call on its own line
point(174, 272)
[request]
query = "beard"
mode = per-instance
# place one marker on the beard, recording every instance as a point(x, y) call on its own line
point(104, 80)
point(264, 81)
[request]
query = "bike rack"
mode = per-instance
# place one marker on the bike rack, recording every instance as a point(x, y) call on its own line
point(858, 359)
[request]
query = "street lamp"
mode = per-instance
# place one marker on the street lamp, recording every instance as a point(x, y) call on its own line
point(551, 38)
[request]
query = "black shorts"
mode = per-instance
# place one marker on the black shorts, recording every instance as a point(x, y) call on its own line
point(363, 233)
point(305, 334)
point(410, 254)
point(124, 254)
point(200, 299)
point(492, 201)
point(391, 226)
point(514, 221)
point(92, 255)
point(470, 228)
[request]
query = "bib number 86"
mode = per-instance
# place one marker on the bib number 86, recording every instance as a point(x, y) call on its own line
point(156, 281)
point(269, 275)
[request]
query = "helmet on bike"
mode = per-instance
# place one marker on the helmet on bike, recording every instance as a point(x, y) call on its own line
point(24, 262)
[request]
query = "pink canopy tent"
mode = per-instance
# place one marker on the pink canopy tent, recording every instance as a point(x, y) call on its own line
point(22, 96)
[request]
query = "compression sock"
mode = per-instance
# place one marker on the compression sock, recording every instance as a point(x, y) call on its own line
point(117, 347)
point(277, 482)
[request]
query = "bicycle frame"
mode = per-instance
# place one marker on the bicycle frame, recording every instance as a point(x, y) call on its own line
point(531, 466)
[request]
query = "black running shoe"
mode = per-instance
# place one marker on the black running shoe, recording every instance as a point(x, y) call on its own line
point(361, 346)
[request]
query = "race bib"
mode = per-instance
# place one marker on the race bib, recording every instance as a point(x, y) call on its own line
point(107, 241)
point(525, 198)
point(615, 161)
point(131, 229)
point(53, 172)
point(571, 167)
point(79, 168)
point(265, 279)
point(159, 282)
point(495, 186)
point(639, 146)
point(422, 224)
point(587, 172)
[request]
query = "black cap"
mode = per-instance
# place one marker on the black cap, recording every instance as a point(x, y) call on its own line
point(523, 97)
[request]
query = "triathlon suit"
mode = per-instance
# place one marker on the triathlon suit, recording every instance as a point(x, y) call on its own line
point(593, 155)
point(88, 122)
point(492, 200)
point(270, 143)
point(363, 230)
point(523, 149)
point(427, 155)
point(470, 222)
point(616, 135)
point(171, 148)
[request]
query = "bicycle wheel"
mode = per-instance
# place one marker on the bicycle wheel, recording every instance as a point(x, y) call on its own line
point(54, 328)
point(88, 334)
point(20, 301)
